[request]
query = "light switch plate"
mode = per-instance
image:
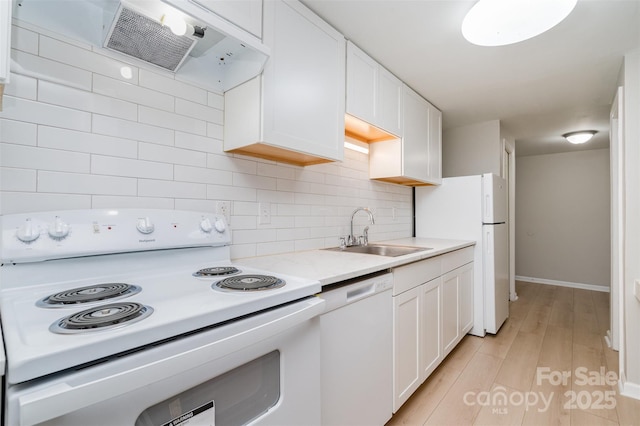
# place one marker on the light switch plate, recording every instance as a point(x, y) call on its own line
point(264, 213)
point(224, 208)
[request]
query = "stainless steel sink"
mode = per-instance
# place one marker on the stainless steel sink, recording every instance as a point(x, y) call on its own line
point(381, 249)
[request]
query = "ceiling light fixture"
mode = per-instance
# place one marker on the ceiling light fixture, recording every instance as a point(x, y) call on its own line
point(579, 137)
point(502, 22)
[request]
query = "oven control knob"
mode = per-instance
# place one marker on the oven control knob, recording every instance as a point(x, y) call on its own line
point(206, 225)
point(59, 229)
point(28, 232)
point(220, 226)
point(145, 225)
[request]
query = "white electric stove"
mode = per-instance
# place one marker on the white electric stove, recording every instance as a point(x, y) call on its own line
point(82, 288)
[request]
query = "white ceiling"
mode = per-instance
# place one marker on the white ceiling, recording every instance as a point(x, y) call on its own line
point(561, 81)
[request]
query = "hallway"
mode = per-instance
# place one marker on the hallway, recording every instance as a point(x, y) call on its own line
point(548, 365)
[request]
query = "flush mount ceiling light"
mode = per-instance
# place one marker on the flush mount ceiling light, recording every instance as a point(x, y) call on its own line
point(579, 137)
point(502, 22)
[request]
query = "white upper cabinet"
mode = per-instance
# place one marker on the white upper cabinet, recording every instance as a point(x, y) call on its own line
point(374, 95)
point(416, 158)
point(294, 111)
point(5, 40)
point(247, 14)
point(390, 109)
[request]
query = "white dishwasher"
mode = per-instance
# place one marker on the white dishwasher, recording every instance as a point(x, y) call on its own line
point(357, 354)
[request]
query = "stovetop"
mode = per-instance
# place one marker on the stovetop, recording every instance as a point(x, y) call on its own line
point(178, 301)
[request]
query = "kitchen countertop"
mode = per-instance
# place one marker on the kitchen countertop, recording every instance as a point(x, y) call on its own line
point(330, 267)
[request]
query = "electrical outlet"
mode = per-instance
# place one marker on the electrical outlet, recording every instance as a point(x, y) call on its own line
point(224, 208)
point(264, 213)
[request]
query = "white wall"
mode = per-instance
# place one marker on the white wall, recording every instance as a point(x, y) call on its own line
point(472, 150)
point(563, 217)
point(630, 353)
point(75, 134)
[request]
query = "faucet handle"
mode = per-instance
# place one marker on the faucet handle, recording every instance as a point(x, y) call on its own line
point(343, 244)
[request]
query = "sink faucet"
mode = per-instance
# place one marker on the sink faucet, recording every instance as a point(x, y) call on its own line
point(352, 238)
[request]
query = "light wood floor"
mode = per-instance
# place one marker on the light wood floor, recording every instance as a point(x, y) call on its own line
point(551, 331)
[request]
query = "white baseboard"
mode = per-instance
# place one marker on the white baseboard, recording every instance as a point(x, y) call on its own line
point(593, 287)
point(632, 390)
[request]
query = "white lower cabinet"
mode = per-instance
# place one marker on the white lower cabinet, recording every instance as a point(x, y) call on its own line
point(432, 311)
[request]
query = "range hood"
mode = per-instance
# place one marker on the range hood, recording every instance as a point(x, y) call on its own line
point(211, 52)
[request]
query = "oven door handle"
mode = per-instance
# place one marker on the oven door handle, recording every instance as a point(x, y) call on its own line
point(73, 393)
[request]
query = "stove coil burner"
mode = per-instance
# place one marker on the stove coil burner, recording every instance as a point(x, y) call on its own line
point(102, 318)
point(216, 271)
point(88, 294)
point(250, 283)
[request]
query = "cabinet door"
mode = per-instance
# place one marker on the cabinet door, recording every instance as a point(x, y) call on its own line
point(450, 317)
point(304, 81)
point(5, 42)
point(431, 326)
point(389, 107)
point(247, 14)
point(415, 141)
point(465, 308)
point(406, 351)
point(435, 144)
point(362, 84)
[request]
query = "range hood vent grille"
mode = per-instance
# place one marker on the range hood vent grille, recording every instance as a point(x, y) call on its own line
point(143, 38)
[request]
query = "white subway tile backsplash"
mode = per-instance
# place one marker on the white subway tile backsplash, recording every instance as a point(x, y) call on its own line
point(231, 163)
point(215, 131)
point(36, 112)
point(18, 132)
point(254, 181)
point(110, 126)
point(231, 193)
point(111, 201)
point(195, 205)
point(215, 100)
point(45, 69)
point(198, 143)
point(276, 171)
point(117, 166)
point(71, 140)
point(17, 179)
point(84, 59)
point(244, 222)
point(268, 196)
point(199, 111)
point(163, 84)
point(168, 154)
point(24, 40)
point(22, 202)
point(76, 134)
point(162, 188)
point(159, 118)
point(265, 249)
point(76, 183)
point(245, 208)
point(202, 175)
point(131, 92)
point(29, 157)
point(86, 101)
point(243, 236)
point(22, 86)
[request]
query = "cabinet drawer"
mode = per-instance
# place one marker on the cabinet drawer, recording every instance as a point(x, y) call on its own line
point(412, 275)
point(456, 259)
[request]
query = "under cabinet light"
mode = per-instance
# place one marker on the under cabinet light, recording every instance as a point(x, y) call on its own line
point(354, 147)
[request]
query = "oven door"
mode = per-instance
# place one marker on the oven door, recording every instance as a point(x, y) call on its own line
point(263, 369)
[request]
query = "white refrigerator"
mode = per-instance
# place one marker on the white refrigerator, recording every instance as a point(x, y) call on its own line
point(473, 208)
